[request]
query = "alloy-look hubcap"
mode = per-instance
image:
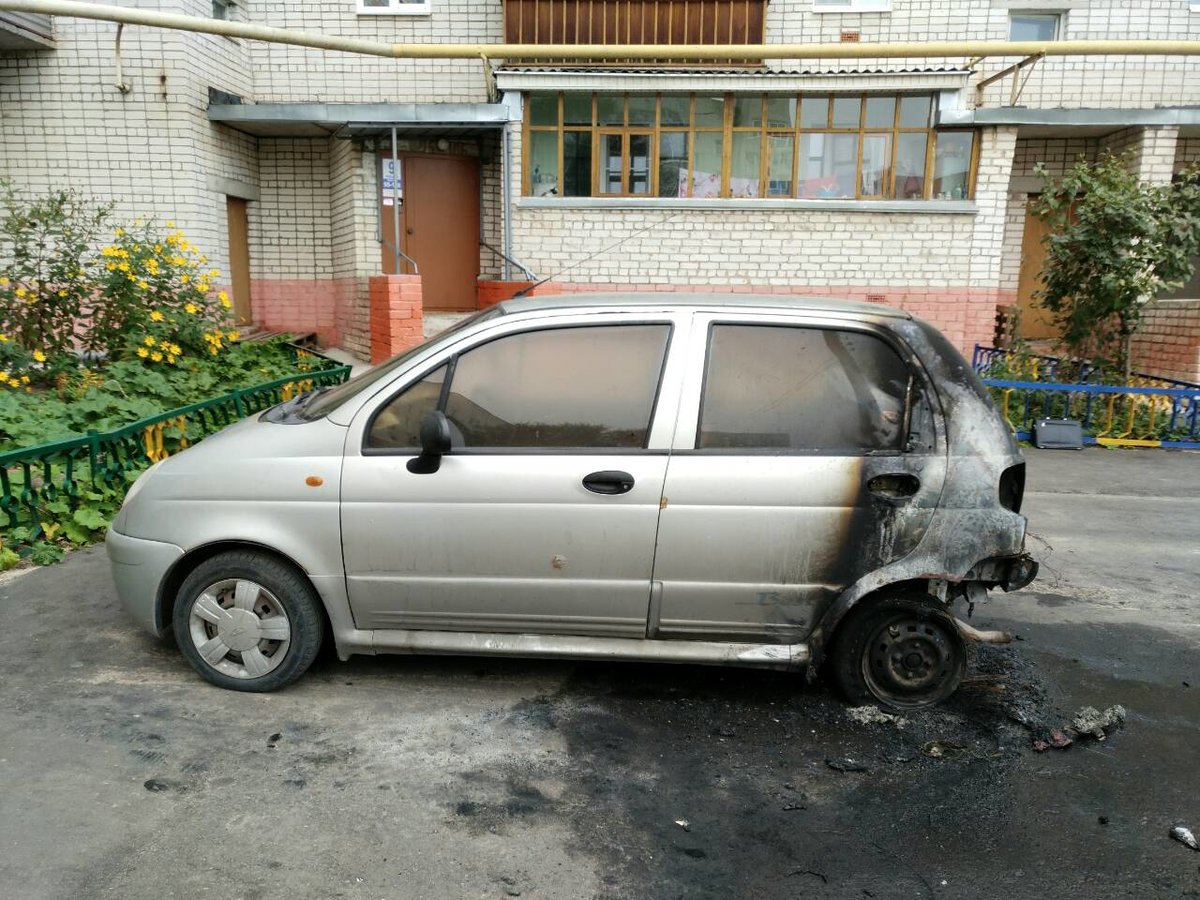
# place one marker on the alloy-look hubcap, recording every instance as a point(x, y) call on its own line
point(240, 628)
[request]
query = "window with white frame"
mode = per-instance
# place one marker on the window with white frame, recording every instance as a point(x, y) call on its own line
point(1034, 26)
point(835, 6)
point(394, 7)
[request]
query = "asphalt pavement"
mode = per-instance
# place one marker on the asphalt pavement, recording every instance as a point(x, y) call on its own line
point(122, 774)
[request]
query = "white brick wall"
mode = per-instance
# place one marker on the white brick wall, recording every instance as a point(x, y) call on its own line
point(1070, 82)
point(150, 152)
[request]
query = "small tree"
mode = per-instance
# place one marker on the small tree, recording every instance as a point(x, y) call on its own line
point(1114, 245)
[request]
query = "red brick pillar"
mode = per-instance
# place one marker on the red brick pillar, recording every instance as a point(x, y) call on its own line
point(396, 315)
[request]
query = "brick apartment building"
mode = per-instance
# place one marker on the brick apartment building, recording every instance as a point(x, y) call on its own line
point(903, 181)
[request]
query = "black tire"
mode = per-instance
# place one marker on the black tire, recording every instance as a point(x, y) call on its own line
point(284, 602)
point(901, 652)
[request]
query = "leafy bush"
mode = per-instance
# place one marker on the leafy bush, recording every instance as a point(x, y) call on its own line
point(48, 279)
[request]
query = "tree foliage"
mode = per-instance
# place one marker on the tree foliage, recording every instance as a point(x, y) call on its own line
point(1114, 245)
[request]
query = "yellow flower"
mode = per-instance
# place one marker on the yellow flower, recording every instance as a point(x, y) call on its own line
point(3, 281)
point(124, 267)
point(3, 338)
point(176, 349)
point(156, 356)
point(13, 382)
point(21, 292)
point(185, 278)
point(39, 356)
point(212, 273)
point(191, 308)
point(170, 224)
point(158, 248)
point(24, 379)
point(212, 350)
point(111, 266)
point(143, 284)
point(62, 292)
point(171, 359)
point(226, 303)
point(233, 335)
point(119, 232)
point(149, 341)
point(143, 352)
point(156, 316)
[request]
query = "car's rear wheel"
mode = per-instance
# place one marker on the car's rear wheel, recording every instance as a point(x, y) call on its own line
point(900, 651)
point(248, 622)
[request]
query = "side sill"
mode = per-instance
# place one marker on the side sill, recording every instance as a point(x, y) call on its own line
point(713, 653)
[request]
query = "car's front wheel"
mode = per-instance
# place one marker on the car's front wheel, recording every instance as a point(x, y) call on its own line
point(899, 651)
point(248, 622)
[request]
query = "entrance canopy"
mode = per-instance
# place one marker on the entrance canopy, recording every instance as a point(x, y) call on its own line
point(351, 120)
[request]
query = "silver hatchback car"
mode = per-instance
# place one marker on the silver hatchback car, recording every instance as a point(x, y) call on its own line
point(735, 480)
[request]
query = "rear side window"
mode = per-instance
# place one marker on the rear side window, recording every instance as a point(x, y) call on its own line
point(590, 387)
point(802, 389)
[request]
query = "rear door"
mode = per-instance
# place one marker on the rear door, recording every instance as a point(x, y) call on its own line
point(796, 469)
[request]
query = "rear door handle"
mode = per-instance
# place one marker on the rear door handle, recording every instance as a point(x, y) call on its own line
point(894, 486)
point(609, 482)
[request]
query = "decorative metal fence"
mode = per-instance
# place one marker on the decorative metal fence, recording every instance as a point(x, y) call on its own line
point(1148, 412)
point(33, 478)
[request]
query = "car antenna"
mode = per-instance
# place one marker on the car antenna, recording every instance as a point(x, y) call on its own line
point(524, 292)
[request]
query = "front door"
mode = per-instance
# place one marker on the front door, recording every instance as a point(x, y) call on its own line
point(1036, 323)
point(237, 220)
point(438, 198)
point(790, 478)
point(543, 515)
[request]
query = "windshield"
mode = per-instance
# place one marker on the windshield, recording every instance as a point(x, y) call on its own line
point(326, 401)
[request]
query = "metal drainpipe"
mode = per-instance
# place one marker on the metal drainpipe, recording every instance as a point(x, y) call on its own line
point(506, 199)
point(395, 205)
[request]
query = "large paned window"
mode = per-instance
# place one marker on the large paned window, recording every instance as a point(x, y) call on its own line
point(744, 146)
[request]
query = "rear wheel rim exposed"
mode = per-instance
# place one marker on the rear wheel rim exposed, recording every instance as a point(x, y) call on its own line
point(239, 628)
point(911, 660)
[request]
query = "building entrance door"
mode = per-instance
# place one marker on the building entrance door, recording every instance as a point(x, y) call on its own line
point(439, 226)
point(1036, 323)
point(239, 257)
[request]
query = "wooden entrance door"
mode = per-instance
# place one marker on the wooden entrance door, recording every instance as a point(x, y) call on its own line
point(239, 257)
point(1036, 323)
point(439, 227)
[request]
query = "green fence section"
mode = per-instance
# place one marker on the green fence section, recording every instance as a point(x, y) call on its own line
point(54, 477)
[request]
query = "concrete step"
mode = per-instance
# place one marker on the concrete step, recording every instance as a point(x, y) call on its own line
point(437, 322)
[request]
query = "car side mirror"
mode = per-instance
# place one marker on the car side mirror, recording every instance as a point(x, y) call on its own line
point(435, 443)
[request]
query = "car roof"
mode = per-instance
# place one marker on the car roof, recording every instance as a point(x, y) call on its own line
point(690, 300)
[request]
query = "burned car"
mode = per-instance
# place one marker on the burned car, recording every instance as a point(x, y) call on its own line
point(749, 481)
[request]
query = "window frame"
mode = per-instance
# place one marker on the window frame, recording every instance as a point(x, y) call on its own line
point(450, 362)
point(1059, 17)
point(396, 8)
point(765, 130)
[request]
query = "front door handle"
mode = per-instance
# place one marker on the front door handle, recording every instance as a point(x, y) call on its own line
point(894, 486)
point(609, 482)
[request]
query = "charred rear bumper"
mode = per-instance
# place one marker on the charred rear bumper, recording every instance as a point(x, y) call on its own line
point(1010, 573)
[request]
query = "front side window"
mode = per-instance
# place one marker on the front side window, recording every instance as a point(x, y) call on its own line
point(743, 146)
point(1033, 27)
point(589, 387)
point(788, 389)
point(395, 7)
